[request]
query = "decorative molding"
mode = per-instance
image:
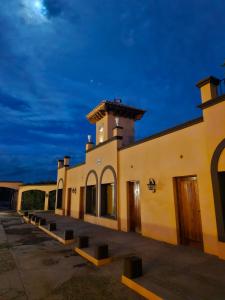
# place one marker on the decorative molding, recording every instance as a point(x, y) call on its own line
point(109, 167)
point(212, 102)
point(220, 218)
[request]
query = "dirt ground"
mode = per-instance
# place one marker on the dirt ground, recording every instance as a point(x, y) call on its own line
point(33, 266)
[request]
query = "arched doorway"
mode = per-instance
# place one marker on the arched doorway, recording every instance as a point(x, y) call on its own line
point(108, 193)
point(59, 198)
point(91, 193)
point(8, 198)
point(33, 200)
point(218, 183)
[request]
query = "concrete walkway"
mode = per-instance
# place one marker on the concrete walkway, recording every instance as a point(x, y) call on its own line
point(172, 272)
point(33, 266)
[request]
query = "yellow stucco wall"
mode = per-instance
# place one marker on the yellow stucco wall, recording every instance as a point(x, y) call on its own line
point(161, 159)
point(215, 133)
point(184, 152)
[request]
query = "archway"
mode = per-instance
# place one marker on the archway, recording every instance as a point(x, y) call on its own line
point(33, 200)
point(8, 198)
point(218, 184)
point(108, 193)
point(91, 193)
point(59, 197)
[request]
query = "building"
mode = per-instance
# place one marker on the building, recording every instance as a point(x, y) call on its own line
point(169, 186)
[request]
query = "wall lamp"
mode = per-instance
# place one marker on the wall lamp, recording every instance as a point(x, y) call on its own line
point(74, 190)
point(46, 195)
point(152, 185)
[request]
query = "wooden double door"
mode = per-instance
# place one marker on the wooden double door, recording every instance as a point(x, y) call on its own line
point(189, 211)
point(134, 208)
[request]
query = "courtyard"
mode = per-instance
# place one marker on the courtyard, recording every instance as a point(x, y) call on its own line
point(35, 266)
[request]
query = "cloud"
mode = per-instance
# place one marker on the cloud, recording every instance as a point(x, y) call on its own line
point(14, 103)
point(56, 64)
point(54, 8)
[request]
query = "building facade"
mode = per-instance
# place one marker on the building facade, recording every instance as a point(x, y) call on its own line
point(169, 186)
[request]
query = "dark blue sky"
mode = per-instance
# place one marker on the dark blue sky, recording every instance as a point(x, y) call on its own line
point(58, 59)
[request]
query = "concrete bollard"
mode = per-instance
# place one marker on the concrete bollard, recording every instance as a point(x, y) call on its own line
point(101, 251)
point(42, 221)
point(37, 220)
point(30, 216)
point(83, 241)
point(68, 234)
point(132, 267)
point(52, 226)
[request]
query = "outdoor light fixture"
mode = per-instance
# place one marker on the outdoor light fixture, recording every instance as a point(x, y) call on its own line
point(89, 138)
point(46, 194)
point(151, 185)
point(117, 119)
point(74, 190)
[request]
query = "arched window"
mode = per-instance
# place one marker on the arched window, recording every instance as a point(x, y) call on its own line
point(91, 193)
point(218, 183)
point(60, 194)
point(108, 192)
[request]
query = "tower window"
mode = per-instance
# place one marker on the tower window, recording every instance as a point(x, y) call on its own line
point(101, 134)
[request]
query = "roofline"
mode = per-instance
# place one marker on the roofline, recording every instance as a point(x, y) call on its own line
point(165, 132)
point(209, 79)
point(9, 181)
point(212, 102)
point(77, 165)
point(39, 184)
point(103, 107)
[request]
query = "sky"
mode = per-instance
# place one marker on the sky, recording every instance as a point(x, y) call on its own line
point(59, 59)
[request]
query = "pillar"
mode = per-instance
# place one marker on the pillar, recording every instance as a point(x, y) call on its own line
point(19, 200)
point(46, 201)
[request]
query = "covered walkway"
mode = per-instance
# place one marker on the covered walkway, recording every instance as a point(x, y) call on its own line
point(8, 194)
point(172, 272)
point(46, 188)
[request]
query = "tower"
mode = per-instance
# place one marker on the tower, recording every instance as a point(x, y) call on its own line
point(111, 115)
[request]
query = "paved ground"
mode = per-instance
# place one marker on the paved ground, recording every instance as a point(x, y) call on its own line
point(33, 266)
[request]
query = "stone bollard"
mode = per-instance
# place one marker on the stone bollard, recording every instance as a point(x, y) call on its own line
point(83, 241)
point(30, 216)
point(37, 220)
point(52, 226)
point(25, 213)
point(68, 234)
point(132, 267)
point(101, 251)
point(42, 221)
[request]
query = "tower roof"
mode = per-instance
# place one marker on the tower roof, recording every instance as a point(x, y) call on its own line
point(116, 108)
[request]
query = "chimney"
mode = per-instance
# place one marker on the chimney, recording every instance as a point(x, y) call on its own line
point(89, 144)
point(60, 163)
point(118, 131)
point(208, 88)
point(66, 161)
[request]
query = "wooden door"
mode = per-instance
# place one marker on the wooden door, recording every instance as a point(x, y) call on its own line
point(189, 211)
point(81, 209)
point(69, 202)
point(134, 211)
